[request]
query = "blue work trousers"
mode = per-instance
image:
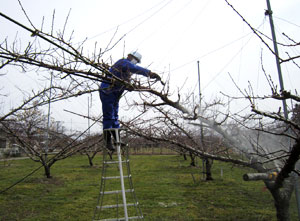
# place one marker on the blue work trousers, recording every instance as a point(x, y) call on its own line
point(110, 108)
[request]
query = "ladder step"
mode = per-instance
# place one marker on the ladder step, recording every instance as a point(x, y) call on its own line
point(116, 219)
point(117, 191)
point(116, 206)
point(115, 162)
point(114, 177)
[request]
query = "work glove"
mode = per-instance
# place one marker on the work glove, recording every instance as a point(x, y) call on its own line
point(154, 75)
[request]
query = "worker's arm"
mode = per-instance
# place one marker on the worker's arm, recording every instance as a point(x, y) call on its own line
point(124, 67)
point(143, 71)
point(137, 69)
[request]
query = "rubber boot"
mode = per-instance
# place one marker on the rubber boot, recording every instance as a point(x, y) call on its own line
point(113, 132)
point(107, 138)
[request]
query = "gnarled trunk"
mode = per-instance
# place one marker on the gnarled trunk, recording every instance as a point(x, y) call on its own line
point(282, 197)
point(47, 165)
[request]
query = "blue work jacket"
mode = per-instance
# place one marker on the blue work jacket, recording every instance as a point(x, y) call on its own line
point(122, 69)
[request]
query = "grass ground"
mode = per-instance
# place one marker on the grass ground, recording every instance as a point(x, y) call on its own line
point(166, 186)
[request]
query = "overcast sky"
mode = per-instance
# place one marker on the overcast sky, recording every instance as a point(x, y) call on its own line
point(172, 35)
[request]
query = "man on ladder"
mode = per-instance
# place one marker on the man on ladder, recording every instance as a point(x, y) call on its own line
point(110, 94)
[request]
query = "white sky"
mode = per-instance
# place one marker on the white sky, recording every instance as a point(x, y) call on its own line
point(171, 35)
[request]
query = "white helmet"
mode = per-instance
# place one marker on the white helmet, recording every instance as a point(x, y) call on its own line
point(136, 55)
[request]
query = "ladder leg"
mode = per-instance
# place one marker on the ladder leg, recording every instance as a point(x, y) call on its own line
point(120, 164)
point(102, 187)
point(137, 206)
point(121, 174)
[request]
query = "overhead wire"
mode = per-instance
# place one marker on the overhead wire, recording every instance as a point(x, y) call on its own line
point(229, 62)
point(187, 27)
point(259, 64)
point(216, 50)
point(286, 21)
point(241, 57)
point(149, 17)
point(139, 24)
point(164, 24)
point(134, 18)
point(210, 52)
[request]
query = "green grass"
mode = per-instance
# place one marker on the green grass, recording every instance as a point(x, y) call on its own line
point(164, 186)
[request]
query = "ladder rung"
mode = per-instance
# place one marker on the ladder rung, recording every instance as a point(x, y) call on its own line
point(114, 177)
point(133, 217)
point(114, 162)
point(117, 191)
point(116, 206)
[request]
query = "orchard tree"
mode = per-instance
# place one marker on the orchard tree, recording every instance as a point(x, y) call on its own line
point(31, 133)
point(91, 145)
point(175, 117)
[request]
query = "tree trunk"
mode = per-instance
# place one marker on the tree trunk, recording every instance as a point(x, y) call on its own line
point(91, 157)
point(193, 163)
point(47, 171)
point(90, 161)
point(184, 156)
point(208, 163)
point(282, 198)
point(46, 164)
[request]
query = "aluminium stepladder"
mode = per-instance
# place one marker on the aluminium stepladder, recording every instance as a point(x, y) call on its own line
point(109, 203)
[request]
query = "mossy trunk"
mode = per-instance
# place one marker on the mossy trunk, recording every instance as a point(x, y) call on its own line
point(282, 197)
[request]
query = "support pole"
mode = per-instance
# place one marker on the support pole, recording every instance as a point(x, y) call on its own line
point(200, 104)
point(269, 13)
point(89, 129)
point(48, 118)
point(198, 65)
point(285, 111)
point(201, 125)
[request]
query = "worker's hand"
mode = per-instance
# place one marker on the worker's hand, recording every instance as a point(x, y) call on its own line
point(154, 75)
